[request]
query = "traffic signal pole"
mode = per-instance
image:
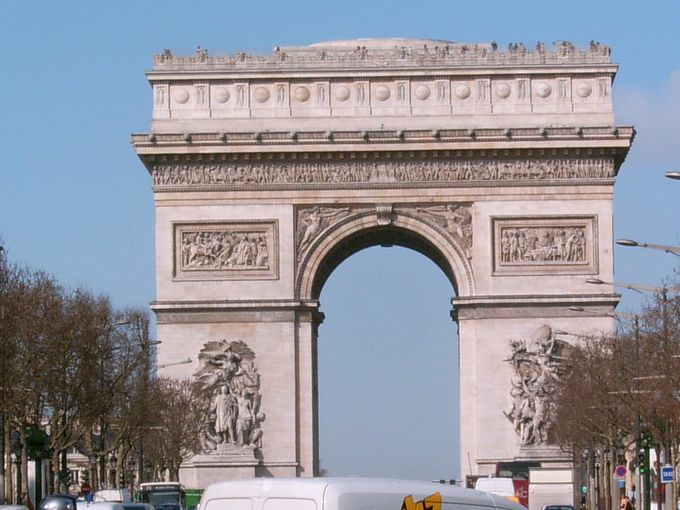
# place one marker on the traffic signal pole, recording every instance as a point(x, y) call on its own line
point(648, 483)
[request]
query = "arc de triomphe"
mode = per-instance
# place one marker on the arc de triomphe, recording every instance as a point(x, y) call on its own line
point(269, 171)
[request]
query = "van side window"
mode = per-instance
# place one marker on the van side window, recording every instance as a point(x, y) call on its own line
point(230, 504)
point(288, 504)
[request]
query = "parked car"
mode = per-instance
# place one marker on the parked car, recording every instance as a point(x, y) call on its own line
point(58, 502)
point(100, 505)
point(13, 507)
point(558, 507)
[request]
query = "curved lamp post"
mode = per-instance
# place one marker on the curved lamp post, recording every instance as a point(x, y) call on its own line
point(641, 289)
point(182, 362)
point(673, 250)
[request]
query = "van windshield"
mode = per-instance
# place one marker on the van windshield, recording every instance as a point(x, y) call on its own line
point(163, 500)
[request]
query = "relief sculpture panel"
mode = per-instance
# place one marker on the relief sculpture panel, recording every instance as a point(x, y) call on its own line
point(456, 219)
point(311, 221)
point(226, 250)
point(555, 245)
point(361, 172)
point(229, 383)
point(538, 362)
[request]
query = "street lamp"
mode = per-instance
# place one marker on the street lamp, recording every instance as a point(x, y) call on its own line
point(673, 250)
point(641, 289)
point(614, 315)
point(182, 362)
point(673, 175)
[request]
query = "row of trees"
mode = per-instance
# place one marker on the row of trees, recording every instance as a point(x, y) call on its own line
point(623, 390)
point(77, 372)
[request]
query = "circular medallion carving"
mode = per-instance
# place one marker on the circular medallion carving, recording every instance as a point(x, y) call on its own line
point(463, 91)
point(342, 93)
point(543, 89)
point(503, 90)
point(422, 92)
point(261, 94)
point(301, 94)
point(181, 96)
point(221, 95)
point(382, 92)
point(584, 89)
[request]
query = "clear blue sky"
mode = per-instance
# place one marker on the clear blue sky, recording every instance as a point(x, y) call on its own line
point(76, 202)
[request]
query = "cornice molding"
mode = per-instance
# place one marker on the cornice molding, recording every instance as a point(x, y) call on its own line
point(445, 139)
point(237, 304)
point(521, 300)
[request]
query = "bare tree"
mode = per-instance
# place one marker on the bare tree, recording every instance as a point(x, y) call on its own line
point(178, 424)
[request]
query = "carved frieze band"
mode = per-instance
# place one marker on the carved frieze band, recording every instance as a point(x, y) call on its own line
point(343, 172)
point(540, 245)
point(453, 220)
point(226, 250)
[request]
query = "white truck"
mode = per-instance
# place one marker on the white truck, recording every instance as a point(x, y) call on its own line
point(549, 487)
point(346, 494)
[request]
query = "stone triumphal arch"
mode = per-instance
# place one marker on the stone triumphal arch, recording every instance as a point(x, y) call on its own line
point(268, 171)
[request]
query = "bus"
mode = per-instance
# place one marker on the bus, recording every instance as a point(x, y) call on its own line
point(163, 495)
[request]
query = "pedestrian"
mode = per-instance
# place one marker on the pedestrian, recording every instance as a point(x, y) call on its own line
point(625, 504)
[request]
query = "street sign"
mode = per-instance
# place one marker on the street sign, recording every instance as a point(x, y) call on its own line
point(667, 474)
point(620, 471)
point(621, 484)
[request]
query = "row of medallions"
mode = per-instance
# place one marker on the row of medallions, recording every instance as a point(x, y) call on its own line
point(243, 95)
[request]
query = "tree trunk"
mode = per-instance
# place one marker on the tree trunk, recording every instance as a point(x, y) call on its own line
point(24, 469)
point(2, 458)
point(7, 461)
point(55, 479)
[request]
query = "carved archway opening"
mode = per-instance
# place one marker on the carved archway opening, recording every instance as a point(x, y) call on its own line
point(361, 231)
point(418, 357)
point(379, 236)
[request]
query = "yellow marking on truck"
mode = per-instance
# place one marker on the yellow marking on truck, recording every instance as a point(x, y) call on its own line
point(432, 502)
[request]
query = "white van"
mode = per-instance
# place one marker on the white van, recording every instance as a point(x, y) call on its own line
point(345, 494)
point(499, 486)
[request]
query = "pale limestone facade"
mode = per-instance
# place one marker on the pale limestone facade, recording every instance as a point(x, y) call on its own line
point(269, 171)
